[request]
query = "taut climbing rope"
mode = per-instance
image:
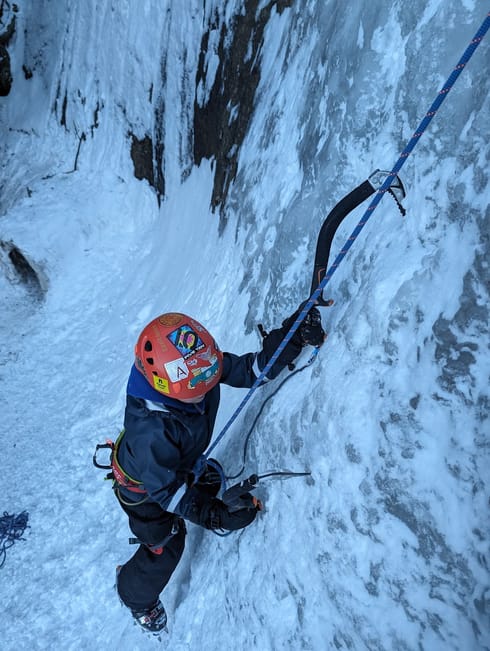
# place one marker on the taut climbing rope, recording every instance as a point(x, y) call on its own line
point(476, 40)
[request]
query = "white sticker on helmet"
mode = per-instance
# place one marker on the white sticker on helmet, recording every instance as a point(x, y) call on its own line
point(176, 370)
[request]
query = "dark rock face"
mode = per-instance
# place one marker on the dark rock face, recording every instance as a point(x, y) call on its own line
point(221, 123)
point(25, 273)
point(5, 74)
point(7, 29)
point(147, 161)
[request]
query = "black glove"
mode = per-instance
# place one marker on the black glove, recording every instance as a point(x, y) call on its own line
point(219, 517)
point(311, 330)
point(209, 481)
point(212, 513)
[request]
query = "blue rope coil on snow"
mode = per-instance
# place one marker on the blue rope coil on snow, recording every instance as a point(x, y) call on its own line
point(12, 528)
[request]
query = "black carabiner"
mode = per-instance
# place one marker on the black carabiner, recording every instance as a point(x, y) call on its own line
point(110, 446)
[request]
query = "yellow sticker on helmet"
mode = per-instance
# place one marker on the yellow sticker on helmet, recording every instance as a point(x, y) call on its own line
point(160, 384)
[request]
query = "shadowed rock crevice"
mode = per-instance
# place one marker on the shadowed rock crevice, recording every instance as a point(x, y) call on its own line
point(7, 30)
point(21, 270)
point(148, 160)
point(221, 122)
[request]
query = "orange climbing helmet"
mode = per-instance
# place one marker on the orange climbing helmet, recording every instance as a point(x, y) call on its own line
point(178, 356)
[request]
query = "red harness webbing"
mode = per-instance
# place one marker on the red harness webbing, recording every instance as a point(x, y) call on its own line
point(121, 477)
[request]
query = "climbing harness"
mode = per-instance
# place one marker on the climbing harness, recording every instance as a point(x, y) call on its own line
point(119, 479)
point(315, 297)
point(117, 475)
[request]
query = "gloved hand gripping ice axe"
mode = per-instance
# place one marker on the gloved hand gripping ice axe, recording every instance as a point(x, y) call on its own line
point(239, 495)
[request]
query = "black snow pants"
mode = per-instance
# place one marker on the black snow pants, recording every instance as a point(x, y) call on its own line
point(144, 576)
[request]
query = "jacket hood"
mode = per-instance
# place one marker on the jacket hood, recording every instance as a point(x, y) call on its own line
point(138, 387)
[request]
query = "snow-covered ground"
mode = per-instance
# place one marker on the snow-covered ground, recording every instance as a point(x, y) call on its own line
point(387, 545)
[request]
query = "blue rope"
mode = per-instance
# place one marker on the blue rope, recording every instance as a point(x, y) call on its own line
point(371, 208)
point(12, 528)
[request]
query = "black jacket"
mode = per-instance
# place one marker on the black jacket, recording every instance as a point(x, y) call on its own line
point(164, 437)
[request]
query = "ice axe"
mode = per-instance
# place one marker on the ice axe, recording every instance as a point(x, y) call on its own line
point(239, 495)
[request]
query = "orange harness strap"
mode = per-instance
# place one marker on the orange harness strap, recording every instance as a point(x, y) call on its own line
point(120, 476)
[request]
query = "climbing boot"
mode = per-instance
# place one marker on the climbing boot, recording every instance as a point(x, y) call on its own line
point(152, 619)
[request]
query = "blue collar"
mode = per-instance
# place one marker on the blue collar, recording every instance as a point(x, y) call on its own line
point(138, 387)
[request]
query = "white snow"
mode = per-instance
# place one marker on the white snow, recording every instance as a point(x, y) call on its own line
point(386, 546)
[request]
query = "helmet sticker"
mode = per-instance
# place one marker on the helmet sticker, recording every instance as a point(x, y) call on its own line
point(178, 356)
point(176, 370)
point(160, 384)
point(204, 374)
point(170, 319)
point(186, 341)
point(197, 326)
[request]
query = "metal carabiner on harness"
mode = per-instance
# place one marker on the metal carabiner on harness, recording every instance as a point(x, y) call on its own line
point(118, 476)
point(109, 445)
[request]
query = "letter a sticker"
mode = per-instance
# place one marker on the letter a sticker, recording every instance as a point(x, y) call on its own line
point(177, 370)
